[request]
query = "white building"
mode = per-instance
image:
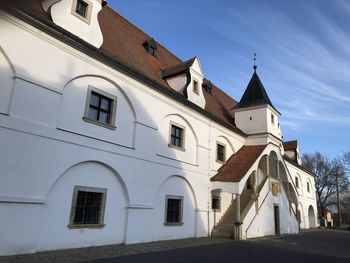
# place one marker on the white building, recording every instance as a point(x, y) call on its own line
point(106, 137)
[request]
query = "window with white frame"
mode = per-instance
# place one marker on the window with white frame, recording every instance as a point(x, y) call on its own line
point(88, 207)
point(173, 210)
point(100, 108)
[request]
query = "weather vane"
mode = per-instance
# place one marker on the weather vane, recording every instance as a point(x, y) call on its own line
point(255, 66)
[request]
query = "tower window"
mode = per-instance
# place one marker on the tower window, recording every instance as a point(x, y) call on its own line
point(308, 187)
point(272, 119)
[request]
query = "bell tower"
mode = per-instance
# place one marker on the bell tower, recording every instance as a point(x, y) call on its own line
point(255, 113)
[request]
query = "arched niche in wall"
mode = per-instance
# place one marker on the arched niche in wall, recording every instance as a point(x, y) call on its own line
point(77, 99)
point(311, 217)
point(187, 150)
point(262, 170)
point(175, 191)
point(7, 72)
point(273, 159)
point(300, 183)
point(61, 201)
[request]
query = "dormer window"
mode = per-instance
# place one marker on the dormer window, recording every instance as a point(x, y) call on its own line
point(150, 46)
point(207, 86)
point(81, 8)
point(195, 87)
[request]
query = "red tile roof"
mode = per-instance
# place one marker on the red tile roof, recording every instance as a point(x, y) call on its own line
point(178, 68)
point(123, 44)
point(290, 145)
point(238, 164)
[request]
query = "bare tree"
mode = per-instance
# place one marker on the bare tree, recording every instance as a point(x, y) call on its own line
point(326, 172)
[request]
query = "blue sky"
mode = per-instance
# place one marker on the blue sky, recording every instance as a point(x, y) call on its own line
point(303, 56)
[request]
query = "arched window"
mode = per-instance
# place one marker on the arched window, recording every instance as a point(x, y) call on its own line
point(297, 182)
point(308, 187)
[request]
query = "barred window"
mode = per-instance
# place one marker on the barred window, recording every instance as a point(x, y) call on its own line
point(173, 215)
point(88, 206)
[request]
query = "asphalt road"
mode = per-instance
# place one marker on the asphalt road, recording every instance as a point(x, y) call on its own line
point(318, 246)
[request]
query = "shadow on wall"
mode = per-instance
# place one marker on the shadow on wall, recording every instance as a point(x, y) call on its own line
point(60, 151)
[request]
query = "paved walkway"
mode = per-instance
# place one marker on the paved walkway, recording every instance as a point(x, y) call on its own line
point(93, 253)
point(311, 246)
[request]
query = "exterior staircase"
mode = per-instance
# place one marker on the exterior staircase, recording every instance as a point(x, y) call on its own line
point(225, 226)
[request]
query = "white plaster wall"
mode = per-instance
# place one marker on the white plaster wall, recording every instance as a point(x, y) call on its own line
point(258, 123)
point(58, 203)
point(73, 105)
point(226, 199)
point(6, 80)
point(274, 127)
point(177, 186)
point(263, 223)
point(19, 228)
point(90, 32)
point(306, 198)
point(197, 99)
point(229, 150)
point(189, 152)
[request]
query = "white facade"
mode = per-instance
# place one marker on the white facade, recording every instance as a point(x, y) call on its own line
point(47, 148)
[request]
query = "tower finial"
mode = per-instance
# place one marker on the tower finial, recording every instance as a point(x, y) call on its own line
point(255, 66)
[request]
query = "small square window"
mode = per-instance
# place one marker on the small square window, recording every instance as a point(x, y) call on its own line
point(220, 152)
point(195, 87)
point(176, 136)
point(173, 210)
point(216, 203)
point(88, 207)
point(100, 108)
point(81, 8)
